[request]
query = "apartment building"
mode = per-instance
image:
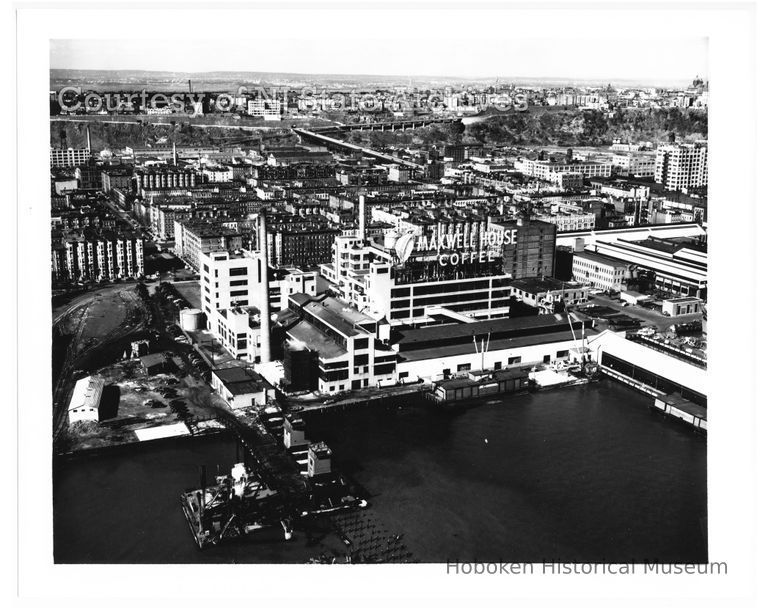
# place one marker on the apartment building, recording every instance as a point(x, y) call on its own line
point(681, 166)
point(191, 239)
point(95, 255)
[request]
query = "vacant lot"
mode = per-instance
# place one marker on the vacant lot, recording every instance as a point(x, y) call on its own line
point(134, 400)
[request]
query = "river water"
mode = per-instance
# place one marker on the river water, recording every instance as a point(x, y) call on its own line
point(586, 473)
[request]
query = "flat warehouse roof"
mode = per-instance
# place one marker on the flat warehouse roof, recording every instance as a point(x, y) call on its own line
point(672, 368)
point(240, 381)
point(403, 336)
point(495, 345)
point(599, 258)
point(315, 340)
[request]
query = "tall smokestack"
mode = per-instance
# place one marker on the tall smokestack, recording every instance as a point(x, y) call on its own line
point(88, 137)
point(266, 350)
point(361, 220)
point(175, 158)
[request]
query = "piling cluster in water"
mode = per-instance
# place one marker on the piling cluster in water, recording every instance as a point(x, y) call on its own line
point(368, 541)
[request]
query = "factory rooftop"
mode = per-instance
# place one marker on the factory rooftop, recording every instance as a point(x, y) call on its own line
point(536, 285)
point(342, 318)
point(241, 381)
point(465, 335)
point(599, 259)
point(495, 344)
point(314, 339)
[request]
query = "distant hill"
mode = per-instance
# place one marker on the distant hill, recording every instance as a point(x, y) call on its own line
point(230, 80)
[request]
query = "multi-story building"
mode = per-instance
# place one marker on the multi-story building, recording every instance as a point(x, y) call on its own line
point(399, 173)
point(229, 296)
point(95, 255)
point(415, 278)
point(268, 109)
point(546, 170)
point(300, 244)
point(622, 189)
point(191, 239)
point(678, 267)
point(531, 251)
point(284, 282)
point(460, 152)
point(569, 180)
point(600, 272)
point(292, 172)
point(164, 177)
point(81, 217)
point(681, 166)
point(164, 218)
point(116, 177)
point(298, 155)
point(568, 220)
point(88, 175)
point(635, 164)
point(218, 173)
point(69, 157)
point(352, 348)
point(64, 183)
point(547, 293)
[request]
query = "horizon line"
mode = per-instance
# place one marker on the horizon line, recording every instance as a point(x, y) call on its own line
point(608, 80)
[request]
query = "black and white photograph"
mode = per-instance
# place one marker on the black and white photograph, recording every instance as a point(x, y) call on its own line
point(338, 290)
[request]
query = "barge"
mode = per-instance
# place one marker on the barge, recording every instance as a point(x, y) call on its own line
point(478, 383)
point(241, 504)
point(237, 505)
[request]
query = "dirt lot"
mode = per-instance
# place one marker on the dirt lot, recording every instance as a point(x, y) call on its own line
point(134, 400)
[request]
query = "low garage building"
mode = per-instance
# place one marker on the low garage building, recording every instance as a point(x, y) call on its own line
point(685, 305)
point(154, 363)
point(632, 297)
point(241, 387)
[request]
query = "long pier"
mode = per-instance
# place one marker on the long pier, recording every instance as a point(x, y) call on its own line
point(382, 397)
point(270, 460)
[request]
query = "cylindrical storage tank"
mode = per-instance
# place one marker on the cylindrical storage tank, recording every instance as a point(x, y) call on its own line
point(578, 244)
point(190, 319)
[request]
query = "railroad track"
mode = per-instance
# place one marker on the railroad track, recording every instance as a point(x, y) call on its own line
point(135, 320)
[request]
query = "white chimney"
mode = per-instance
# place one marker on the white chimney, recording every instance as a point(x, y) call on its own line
point(266, 350)
point(361, 221)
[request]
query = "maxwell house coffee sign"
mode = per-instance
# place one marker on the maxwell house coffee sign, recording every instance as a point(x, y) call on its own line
point(456, 248)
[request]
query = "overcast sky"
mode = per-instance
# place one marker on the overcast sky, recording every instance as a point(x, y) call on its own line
point(588, 57)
